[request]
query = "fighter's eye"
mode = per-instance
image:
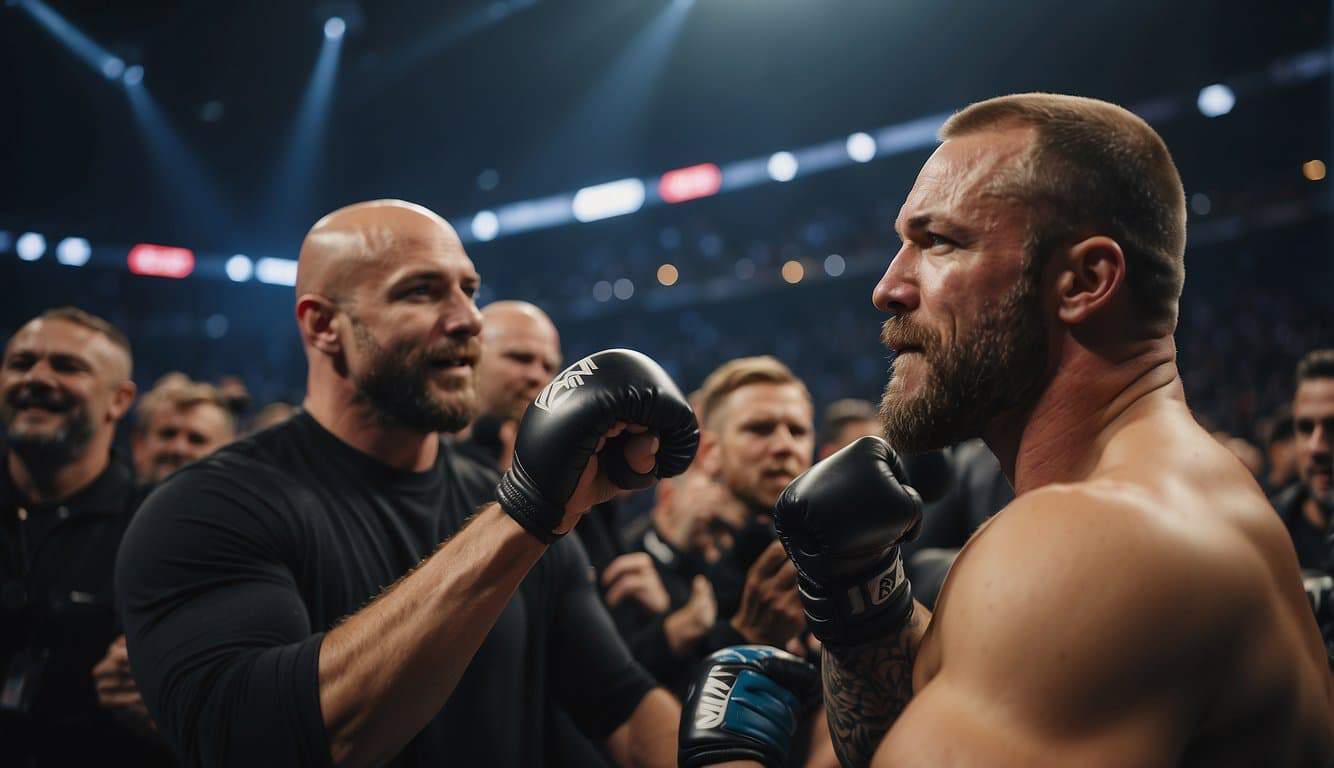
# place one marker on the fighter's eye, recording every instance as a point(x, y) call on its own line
point(935, 240)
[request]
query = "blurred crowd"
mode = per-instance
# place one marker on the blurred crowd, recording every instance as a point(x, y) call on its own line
point(690, 569)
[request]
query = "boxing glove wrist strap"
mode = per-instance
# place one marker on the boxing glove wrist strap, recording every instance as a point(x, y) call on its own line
point(526, 508)
point(851, 611)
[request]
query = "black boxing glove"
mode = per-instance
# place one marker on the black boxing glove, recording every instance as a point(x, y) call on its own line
point(841, 523)
point(744, 706)
point(561, 429)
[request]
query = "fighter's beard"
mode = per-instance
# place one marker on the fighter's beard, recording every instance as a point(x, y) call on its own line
point(998, 366)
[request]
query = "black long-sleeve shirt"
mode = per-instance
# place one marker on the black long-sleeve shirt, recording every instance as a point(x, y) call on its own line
point(56, 621)
point(237, 566)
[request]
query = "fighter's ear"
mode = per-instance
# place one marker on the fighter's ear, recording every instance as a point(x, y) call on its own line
point(1090, 275)
point(315, 316)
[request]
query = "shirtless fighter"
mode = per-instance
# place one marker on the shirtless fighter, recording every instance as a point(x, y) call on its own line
point(1139, 603)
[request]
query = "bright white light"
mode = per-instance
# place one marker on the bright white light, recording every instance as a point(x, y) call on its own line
point(334, 27)
point(1216, 100)
point(240, 268)
point(276, 271)
point(30, 246)
point(861, 147)
point(834, 265)
point(113, 67)
point(623, 289)
point(782, 166)
point(602, 290)
point(485, 226)
point(134, 75)
point(73, 251)
point(615, 198)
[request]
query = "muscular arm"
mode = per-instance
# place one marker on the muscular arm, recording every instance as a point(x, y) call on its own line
point(387, 670)
point(1074, 633)
point(866, 687)
point(648, 738)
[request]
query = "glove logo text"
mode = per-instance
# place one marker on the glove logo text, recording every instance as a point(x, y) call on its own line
point(570, 379)
point(713, 699)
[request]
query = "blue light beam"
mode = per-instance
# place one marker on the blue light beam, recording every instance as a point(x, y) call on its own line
point(94, 55)
point(295, 183)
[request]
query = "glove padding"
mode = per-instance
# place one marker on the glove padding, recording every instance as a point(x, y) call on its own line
point(561, 429)
point(841, 523)
point(744, 706)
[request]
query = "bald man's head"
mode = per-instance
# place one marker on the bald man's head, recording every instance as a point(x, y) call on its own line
point(345, 246)
point(520, 354)
point(386, 309)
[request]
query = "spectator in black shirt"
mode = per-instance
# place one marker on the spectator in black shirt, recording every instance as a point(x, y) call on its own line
point(520, 354)
point(64, 504)
point(844, 421)
point(288, 600)
point(1306, 505)
point(175, 423)
point(758, 435)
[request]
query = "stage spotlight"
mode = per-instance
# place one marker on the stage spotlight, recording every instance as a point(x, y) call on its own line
point(240, 268)
point(834, 265)
point(861, 147)
point(73, 251)
point(782, 166)
point(602, 290)
point(113, 67)
point(1216, 100)
point(1313, 170)
point(30, 246)
point(485, 226)
point(668, 274)
point(276, 271)
point(335, 27)
point(134, 75)
point(615, 198)
point(623, 288)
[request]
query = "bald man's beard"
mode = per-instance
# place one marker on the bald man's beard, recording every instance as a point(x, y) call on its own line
point(996, 365)
point(396, 383)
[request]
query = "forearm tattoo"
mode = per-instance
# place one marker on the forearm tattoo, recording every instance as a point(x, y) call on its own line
point(865, 689)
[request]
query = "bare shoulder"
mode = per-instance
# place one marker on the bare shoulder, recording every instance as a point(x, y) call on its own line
point(1090, 589)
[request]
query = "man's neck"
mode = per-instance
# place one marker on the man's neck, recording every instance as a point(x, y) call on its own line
point(360, 426)
point(52, 485)
point(1061, 438)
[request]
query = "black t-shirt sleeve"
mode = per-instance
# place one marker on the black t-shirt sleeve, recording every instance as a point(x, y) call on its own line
point(595, 678)
point(219, 637)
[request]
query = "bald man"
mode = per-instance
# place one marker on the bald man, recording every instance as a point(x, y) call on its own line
point(64, 505)
point(288, 599)
point(520, 354)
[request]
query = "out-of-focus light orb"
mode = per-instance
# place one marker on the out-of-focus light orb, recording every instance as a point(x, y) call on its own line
point(834, 265)
point(782, 166)
point(793, 272)
point(1313, 170)
point(861, 147)
point(1216, 100)
point(668, 275)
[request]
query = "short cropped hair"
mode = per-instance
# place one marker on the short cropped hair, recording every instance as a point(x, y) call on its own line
point(172, 392)
point(840, 413)
point(741, 372)
point(88, 320)
point(1095, 168)
point(1317, 364)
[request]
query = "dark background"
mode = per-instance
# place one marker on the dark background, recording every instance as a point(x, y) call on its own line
point(554, 95)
